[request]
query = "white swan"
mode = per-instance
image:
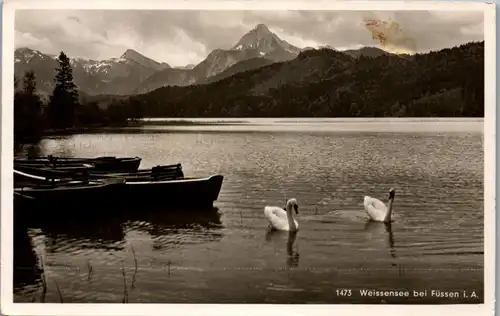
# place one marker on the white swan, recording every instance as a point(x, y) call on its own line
point(280, 219)
point(377, 210)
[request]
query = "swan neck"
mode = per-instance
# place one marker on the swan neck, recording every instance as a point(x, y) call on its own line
point(389, 211)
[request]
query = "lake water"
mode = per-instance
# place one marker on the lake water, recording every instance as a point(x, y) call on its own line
point(227, 255)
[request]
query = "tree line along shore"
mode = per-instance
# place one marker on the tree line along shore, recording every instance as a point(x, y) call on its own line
point(318, 83)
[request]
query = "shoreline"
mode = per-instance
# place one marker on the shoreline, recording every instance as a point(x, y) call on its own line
point(143, 124)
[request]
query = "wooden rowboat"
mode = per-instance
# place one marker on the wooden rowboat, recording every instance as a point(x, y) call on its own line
point(165, 185)
point(110, 164)
point(26, 175)
point(67, 193)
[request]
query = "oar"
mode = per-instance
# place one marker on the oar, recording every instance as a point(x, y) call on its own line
point(24, 196)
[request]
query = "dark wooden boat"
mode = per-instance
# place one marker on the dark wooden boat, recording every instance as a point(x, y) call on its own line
point(202, 192)
point(108, 164)
point(32, 176)
point(26, 175)
point(158, 185)
point(66, 193)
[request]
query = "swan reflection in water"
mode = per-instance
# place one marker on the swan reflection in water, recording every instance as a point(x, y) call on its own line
point(380, 229)
point(292, 260)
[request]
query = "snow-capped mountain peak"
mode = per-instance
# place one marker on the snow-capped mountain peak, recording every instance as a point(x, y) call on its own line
point(259, 42)
point(27, 55)
point(114, 75)
point(262, 39)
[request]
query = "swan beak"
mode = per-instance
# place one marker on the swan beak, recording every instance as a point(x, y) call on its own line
point(296, 207)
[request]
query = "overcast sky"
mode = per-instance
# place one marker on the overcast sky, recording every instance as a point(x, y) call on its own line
point(186, 37)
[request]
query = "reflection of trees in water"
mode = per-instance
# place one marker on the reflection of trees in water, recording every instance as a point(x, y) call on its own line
point(27, 149)
point(26, 267)
point(383, 229)
point(64, 147)
point(105, 231)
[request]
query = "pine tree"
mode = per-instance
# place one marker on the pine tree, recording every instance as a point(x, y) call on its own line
point(29, 84)
point(64, 99)
point(27, 108)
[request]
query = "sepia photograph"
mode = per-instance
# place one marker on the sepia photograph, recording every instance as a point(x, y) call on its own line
point(243, 153)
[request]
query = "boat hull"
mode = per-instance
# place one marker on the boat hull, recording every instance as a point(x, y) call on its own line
point(202, 192)
point(68, 195)
point(187, 192)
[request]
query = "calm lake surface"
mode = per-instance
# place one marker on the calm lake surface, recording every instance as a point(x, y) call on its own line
point(227, 255)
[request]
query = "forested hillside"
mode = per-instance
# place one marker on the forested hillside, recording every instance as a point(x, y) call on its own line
point(329, 83)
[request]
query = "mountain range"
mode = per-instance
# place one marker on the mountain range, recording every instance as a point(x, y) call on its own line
point(329, 83)
point(133, 73)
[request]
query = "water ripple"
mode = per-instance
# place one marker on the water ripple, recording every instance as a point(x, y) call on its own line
point(437, 232)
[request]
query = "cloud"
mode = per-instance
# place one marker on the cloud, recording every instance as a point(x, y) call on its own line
point(185, 37)
point(29, 40)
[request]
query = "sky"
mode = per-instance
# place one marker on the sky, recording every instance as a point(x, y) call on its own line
point(187, 37)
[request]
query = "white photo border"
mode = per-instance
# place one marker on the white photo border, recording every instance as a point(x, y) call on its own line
point(489, 132)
